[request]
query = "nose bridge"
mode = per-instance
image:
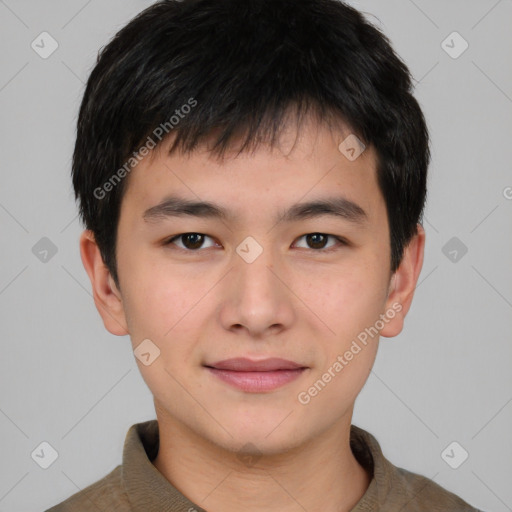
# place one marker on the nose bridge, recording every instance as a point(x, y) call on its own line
point(258, 298)
point(254, 264)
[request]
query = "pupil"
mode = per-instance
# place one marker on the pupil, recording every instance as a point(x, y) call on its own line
point(314, 236)
point(191, 236)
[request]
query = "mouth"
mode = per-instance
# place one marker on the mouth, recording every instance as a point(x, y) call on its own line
point(256, 376)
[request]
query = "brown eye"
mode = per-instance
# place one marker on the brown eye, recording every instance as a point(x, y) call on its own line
point(189, 241)
point(318, 241)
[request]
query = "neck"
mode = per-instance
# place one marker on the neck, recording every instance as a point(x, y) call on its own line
point(321, 475)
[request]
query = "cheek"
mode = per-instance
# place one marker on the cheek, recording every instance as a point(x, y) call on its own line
point(350, 307)
point(155, 299)
point(347, 301)
point(157, 308)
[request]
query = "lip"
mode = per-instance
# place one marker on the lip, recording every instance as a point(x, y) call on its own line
point(256, 376)
point(243, 364)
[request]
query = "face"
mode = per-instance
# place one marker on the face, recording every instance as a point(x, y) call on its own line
point(266, 279)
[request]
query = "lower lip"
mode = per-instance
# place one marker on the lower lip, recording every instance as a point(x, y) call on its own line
point(254, 382)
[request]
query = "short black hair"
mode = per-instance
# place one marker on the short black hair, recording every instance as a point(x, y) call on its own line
point(240, 66)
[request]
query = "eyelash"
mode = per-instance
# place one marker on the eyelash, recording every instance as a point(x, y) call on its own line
point(342, 242)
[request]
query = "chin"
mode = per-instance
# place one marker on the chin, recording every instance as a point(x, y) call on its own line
point(259, 439)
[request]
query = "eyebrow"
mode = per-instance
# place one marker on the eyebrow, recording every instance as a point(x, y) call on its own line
point(339, 207)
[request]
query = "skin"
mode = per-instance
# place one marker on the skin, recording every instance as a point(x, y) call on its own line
point(294, 301)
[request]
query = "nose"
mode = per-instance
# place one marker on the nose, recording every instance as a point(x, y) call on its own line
point(258, 297)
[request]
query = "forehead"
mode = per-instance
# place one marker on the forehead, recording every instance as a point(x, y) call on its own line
point(303, 165)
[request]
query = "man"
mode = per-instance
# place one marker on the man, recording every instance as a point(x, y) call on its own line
point(252, 176)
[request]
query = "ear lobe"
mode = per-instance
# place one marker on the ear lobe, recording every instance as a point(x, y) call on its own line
point(105, 293)
point(403, 284)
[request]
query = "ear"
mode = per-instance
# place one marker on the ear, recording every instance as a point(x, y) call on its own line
point(106, 295)
point(403, 284)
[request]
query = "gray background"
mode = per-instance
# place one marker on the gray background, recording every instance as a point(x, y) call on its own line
point(446, 377)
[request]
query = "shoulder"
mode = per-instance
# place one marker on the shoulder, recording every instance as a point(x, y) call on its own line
point(105, 494)
point(416, 493)
point(395, 488)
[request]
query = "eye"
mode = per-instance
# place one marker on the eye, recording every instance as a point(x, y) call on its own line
point(318, 240)
point(191, 241)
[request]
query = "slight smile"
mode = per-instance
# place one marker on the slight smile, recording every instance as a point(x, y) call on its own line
point(256, 376)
